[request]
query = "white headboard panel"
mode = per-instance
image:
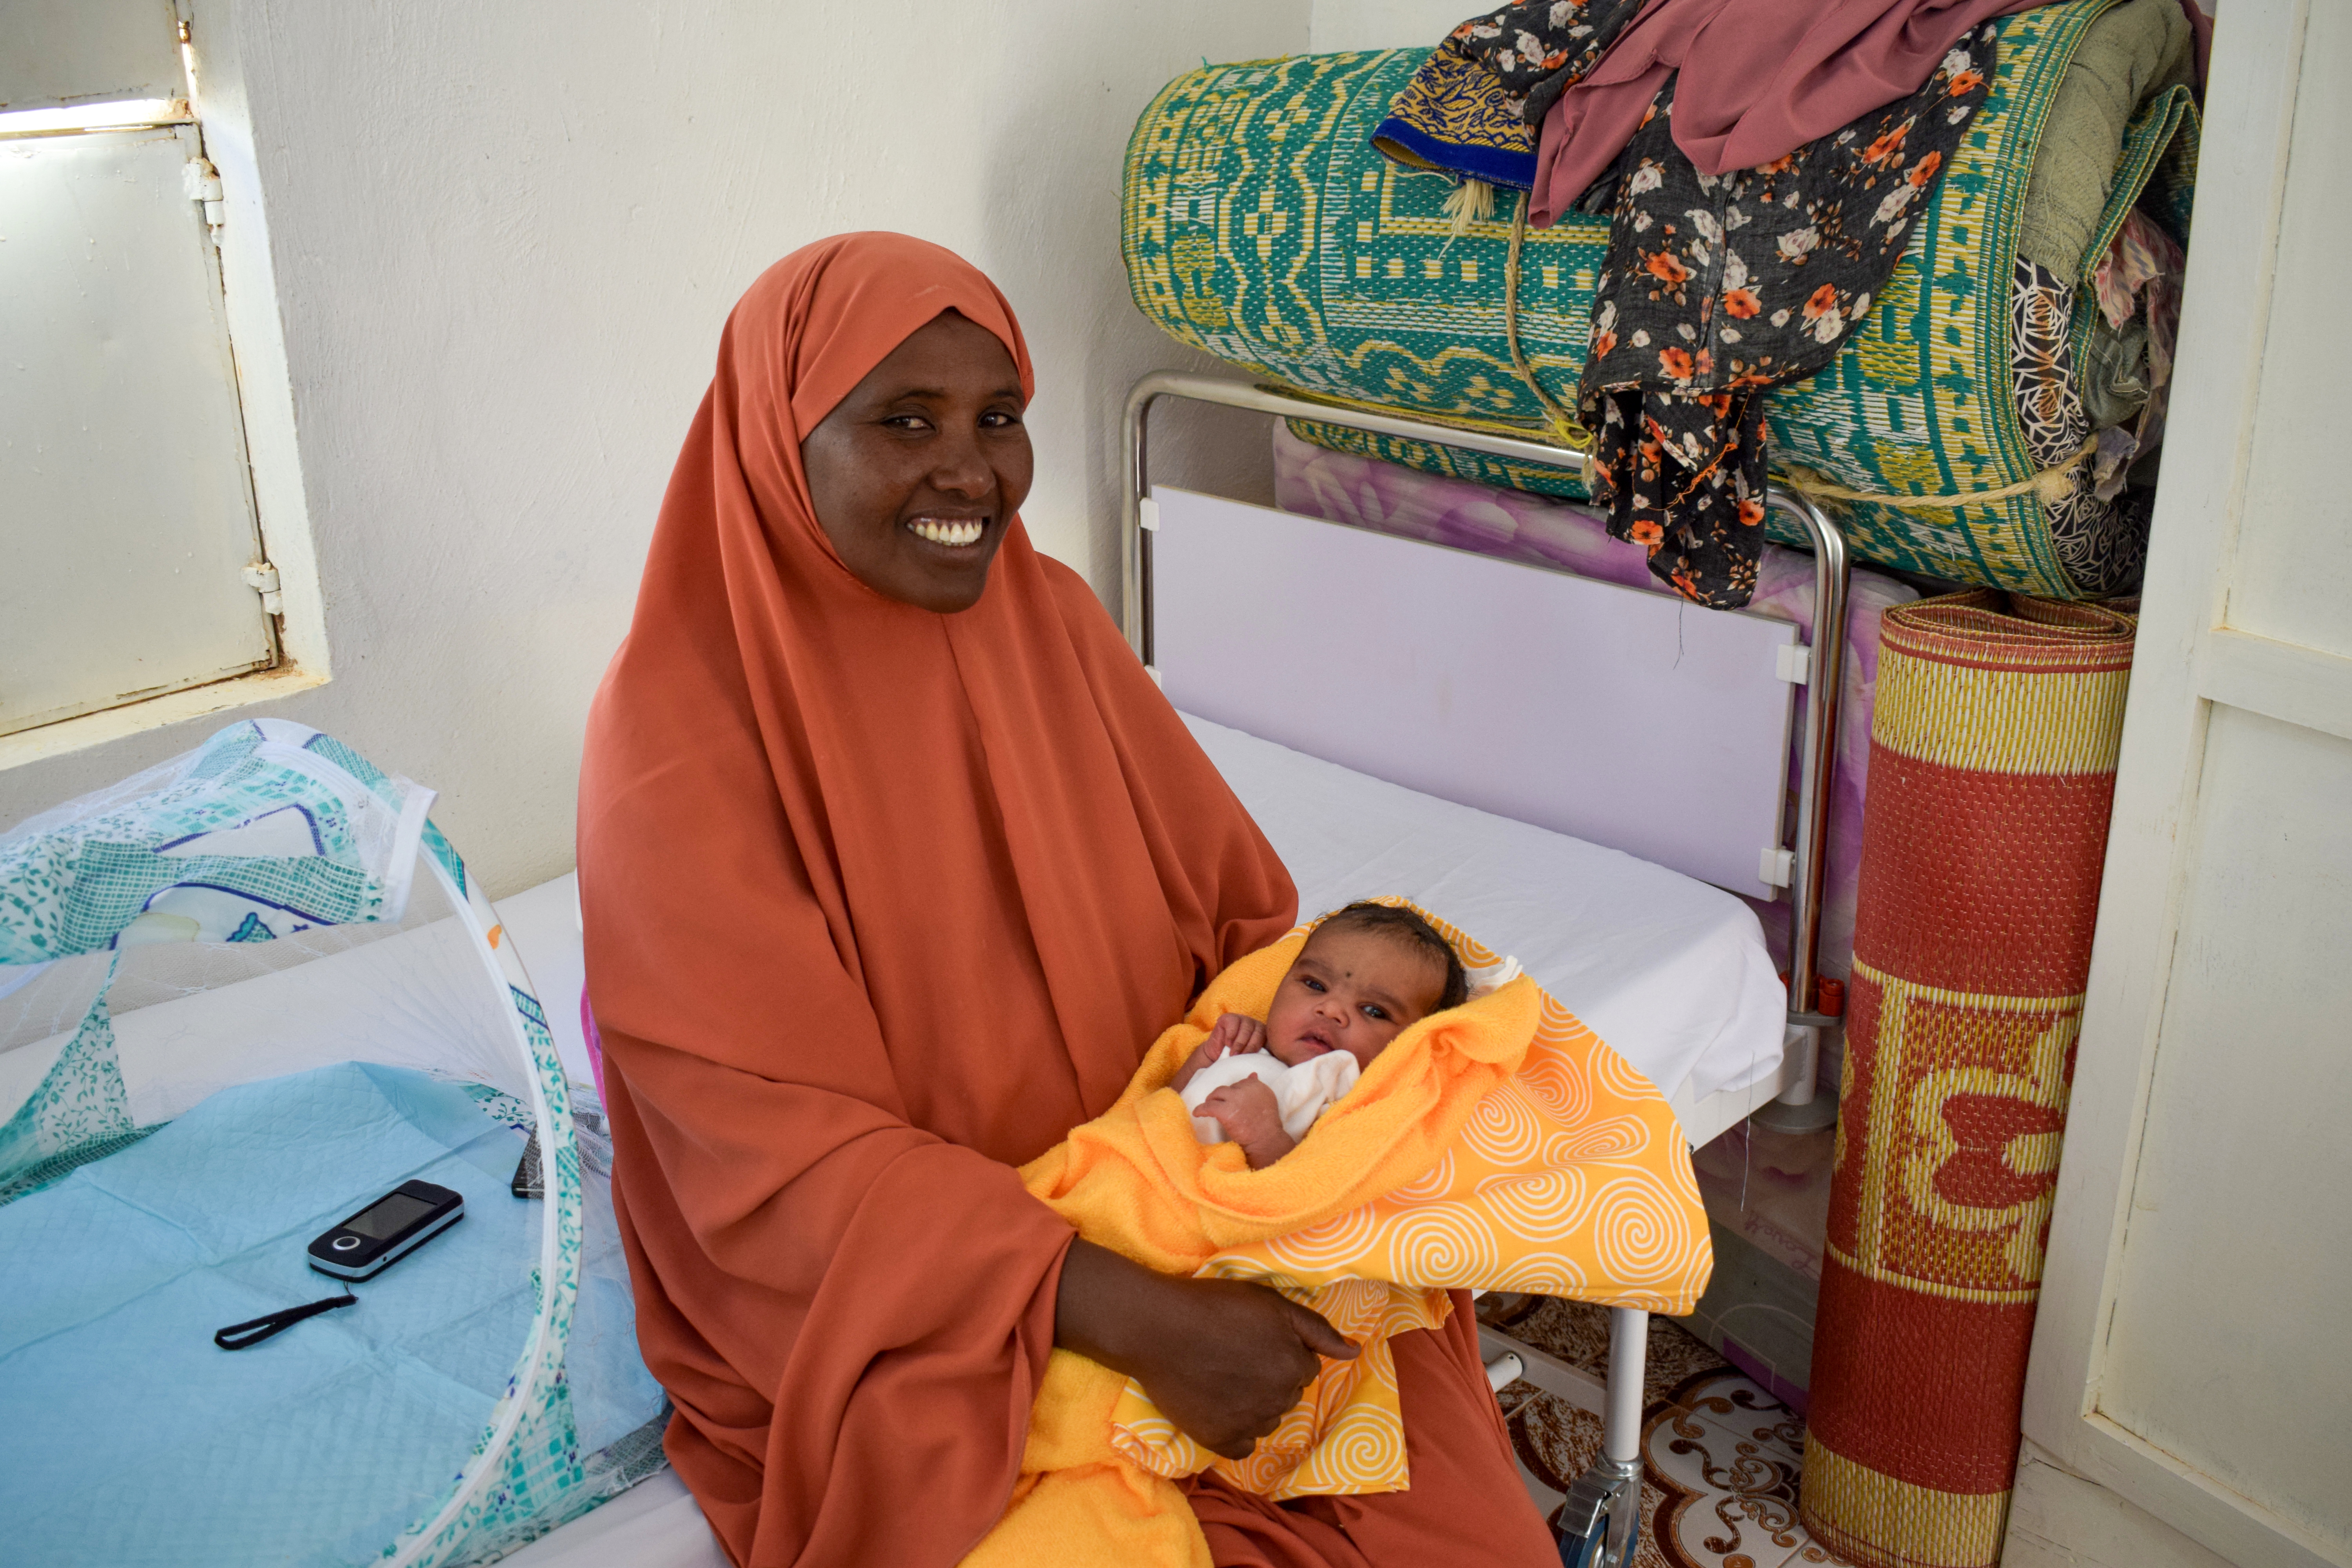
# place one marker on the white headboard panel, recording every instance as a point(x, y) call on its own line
point(1625, 719)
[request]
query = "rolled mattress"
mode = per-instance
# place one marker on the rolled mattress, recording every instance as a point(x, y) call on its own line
point(1259, 226)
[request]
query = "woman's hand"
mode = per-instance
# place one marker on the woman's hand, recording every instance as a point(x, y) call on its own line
point(1223, 1359)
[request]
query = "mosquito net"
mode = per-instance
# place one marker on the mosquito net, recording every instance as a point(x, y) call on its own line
point(242, 996)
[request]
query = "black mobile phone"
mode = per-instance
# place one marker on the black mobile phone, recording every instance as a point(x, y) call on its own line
point(387, 1230)
point(530, 1180)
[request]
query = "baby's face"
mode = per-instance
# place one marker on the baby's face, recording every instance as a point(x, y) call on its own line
point(1351, 991)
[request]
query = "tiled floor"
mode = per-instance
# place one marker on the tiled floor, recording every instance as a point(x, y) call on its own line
point(1720, 1456)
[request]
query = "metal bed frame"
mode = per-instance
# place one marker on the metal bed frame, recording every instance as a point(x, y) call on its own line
point(1600, 1522)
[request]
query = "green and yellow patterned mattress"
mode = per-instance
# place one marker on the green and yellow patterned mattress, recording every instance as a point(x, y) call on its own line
point(1259, 226)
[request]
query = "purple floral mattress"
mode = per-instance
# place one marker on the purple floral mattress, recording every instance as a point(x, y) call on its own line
point(1366, 492)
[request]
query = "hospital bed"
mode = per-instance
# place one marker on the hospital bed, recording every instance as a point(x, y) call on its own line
point(1561, 767)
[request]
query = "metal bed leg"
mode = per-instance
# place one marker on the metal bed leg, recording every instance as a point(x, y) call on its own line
point(1601, 1523)
point(1802, 1107)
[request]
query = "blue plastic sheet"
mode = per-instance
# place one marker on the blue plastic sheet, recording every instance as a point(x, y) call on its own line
point(126, 1436)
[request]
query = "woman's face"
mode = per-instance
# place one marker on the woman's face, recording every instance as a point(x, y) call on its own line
point(917, 473)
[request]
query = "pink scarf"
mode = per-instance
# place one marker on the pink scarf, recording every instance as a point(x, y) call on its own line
point(1760, 80)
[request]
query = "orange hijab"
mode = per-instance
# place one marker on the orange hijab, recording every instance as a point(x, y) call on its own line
point(879, 903)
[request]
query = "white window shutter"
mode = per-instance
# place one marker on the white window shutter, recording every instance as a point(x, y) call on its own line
point(126, 511)
point(88, 51)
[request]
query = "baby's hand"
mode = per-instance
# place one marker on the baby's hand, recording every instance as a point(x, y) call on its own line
point(1251, 1117)
point(1235, 1033)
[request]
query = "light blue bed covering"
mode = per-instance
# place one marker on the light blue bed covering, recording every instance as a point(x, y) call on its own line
point(126, 1437)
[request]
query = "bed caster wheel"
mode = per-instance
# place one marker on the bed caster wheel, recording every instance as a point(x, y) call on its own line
point(1592, 1551)
point(1601, 1523)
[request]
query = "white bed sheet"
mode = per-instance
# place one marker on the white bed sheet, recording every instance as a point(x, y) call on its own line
point(1671, 973)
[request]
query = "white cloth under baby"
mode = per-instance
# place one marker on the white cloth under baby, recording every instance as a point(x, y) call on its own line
point(1303, 1092)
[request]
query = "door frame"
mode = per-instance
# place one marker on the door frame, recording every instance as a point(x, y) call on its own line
point(2187, 660)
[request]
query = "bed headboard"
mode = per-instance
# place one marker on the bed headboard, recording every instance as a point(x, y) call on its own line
point(1625, 719)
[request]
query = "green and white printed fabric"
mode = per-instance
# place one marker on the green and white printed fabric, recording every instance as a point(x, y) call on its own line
point(267, 830)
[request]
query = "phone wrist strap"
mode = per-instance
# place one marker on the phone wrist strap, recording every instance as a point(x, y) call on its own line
point(240, 1336)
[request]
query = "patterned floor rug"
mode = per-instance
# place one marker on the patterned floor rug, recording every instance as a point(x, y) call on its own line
point(1720, 1456)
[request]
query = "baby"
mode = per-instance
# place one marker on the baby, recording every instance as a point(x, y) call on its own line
point(1367, 972)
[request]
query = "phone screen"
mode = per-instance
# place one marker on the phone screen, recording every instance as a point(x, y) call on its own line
point(379, 1222)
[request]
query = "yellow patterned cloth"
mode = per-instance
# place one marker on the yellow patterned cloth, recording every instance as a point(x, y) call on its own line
point(1498, 1145)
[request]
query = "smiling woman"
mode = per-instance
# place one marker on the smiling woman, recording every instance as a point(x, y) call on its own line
point(917, 471)
point(894, 861)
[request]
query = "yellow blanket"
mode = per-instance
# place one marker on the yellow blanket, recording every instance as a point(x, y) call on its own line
point(1498, 1145)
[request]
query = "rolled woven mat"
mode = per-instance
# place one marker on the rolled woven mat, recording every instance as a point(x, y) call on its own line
point(1260, 225)
point(1991, 773)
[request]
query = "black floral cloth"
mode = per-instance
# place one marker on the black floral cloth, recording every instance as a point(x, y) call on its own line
point(1718, 288)
point(1539, 48)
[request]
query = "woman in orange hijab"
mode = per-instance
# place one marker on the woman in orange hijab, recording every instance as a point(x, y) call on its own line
point(894, 861)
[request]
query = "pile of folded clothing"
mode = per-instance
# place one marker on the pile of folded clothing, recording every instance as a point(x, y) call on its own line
point(1920, 259)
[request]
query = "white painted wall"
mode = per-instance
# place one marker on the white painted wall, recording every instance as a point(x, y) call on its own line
point(1388, 24)
point(501, 241)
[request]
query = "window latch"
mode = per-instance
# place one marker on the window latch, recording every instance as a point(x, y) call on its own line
point(262, 578)
point(203, 184)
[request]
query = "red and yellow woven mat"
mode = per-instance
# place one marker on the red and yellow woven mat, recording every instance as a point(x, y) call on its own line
point(1991, 772)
